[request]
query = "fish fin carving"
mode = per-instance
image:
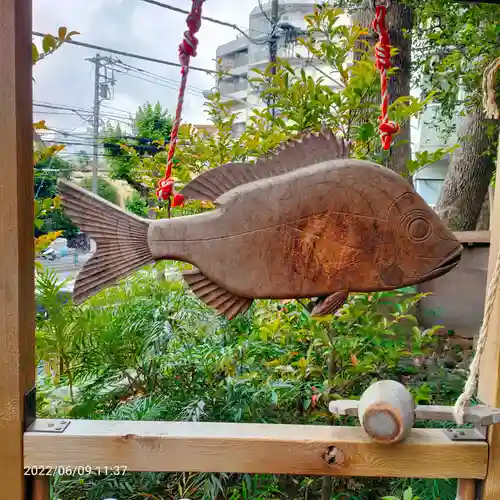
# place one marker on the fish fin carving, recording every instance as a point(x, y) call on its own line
point(216, 297)
point(306, 149)
point(121, 238)
point(330, 304)
point(213, 183)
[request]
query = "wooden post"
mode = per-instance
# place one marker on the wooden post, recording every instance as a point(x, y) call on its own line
point(17, 305)
point(41, 488)
point(489, 378)
point(466, 489)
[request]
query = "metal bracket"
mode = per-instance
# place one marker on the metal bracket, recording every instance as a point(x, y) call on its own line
point(49, 426)
point(29, 416)
point(29, 408)
point(475, 434)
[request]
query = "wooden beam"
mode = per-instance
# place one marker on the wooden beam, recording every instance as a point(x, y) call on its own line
point(252, 448)
point(489, 377)
point(480, 415)
point(17, 305)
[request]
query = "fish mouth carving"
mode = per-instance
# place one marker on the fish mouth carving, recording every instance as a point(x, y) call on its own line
point(450, 262)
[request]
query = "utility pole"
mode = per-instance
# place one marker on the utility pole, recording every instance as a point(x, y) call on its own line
point(97, 109)
point(273, 39)
point(102, 83)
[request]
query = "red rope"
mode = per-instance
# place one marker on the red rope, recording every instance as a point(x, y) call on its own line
point(387, 128)
point(187, 49)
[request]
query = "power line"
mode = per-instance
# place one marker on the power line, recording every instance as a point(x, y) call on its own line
point(69, 106)
point(157, 82)
point(209, 19)
point(128, 54)
point(155, 75)
point(65, 107)
point(62, 111)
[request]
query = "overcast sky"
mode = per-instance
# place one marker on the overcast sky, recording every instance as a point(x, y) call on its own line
point(67, 78)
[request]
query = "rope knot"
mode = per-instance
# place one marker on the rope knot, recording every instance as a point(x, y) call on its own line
point(387, 130)
point(187, 48)
point(165, 189)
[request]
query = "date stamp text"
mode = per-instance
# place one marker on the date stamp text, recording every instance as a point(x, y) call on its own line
point(80, 470)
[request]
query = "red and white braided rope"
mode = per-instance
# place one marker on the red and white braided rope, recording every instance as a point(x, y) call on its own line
point(187, 49)
point(387, 128)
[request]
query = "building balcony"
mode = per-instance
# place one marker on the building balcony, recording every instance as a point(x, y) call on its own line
point(233, 87)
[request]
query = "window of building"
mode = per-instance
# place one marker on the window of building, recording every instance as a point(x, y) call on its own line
point(429, 189)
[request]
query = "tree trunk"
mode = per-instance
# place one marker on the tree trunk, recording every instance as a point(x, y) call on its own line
point(469, 174)
point(399, 22)
point(483, 222)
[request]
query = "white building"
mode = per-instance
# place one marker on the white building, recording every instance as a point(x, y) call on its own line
point(429, 180)
point(240, 55)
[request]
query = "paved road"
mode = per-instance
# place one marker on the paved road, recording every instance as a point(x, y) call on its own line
point(65, 267)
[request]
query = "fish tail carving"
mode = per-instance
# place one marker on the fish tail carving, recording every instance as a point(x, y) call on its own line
point(121, 238)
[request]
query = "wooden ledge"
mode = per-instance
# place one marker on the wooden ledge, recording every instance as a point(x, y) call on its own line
point(252, 448)
point(473, 237)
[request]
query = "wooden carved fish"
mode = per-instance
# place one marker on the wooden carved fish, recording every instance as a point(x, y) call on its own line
point(305, 222)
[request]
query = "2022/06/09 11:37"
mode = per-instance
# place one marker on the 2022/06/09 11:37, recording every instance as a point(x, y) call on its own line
point(79, 470)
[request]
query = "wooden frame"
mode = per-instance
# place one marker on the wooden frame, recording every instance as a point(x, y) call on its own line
point(17, 304)
point(489, 386)
point(258, 448)
point(160, 446)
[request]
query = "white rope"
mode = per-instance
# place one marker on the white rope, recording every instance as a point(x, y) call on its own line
point(489, 98)
point(471, 384)
point(491, 111)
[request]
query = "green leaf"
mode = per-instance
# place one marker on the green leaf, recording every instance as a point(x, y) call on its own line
point(49, 43)
point(62, 32)
point(47, 203)
point(35, 54)
point(366, 131)
point(408, 494)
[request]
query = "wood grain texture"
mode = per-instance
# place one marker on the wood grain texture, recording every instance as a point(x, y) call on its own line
point(17, 305)
point(489, 376)
point(308, 226)
point(254, 448)
point(121, 238)
point(340, 225)
point(466, 489)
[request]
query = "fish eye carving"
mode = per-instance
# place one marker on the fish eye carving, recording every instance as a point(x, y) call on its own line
point(417, 227)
